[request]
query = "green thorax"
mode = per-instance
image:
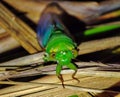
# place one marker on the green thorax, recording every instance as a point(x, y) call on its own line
point(60, 48)
point(58, 42)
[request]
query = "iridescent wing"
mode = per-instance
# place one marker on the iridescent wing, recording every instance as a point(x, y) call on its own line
point(46, 26)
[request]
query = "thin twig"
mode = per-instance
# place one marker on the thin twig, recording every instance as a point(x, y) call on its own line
point(26, 60)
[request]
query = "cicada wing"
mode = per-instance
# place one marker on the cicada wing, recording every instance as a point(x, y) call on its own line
point(44, 29)
point(60, 25)
point(47, 25)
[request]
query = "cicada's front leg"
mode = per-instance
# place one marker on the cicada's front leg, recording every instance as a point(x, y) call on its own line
point(73, 67)
point(61, 79)
point(73, 76)
point(59, 75)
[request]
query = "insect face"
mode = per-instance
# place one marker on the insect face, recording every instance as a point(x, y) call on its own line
point(64, 57)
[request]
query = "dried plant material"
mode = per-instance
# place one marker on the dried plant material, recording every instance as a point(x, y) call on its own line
point(31, 59)
point(2, 31)
point(86, 11)
point(110, 15)
point(19, 30)
point(97, 45)
point(34, 9)
point(7, 43)
point(35, 88)
point(84, 68)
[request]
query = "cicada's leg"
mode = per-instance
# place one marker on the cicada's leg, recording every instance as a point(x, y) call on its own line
point(73, 67)
point(58, 70)
point(73, 76)
point(61, 79)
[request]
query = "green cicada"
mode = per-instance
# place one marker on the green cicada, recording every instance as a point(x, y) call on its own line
point(57, 42)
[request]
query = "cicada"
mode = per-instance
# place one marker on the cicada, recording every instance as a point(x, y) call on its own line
point(59, 45)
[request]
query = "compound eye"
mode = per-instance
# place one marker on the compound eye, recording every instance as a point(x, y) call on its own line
point(52, 55)
point(46, 55)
